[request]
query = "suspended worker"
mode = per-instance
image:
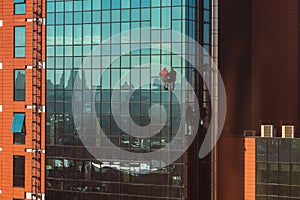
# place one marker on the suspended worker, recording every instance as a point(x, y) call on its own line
point(172, 78)
point(164, 77)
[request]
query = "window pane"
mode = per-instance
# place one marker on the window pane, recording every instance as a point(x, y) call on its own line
point(126, 4)
point(295, 192)
point(116, 4)
point(261, 174)
point(116, 15)
point(145, 14)
point(106, 16)
point(273, 173)
point(20, 52)
point(155, 21)
point(19, 138)
point(296, 151)
point(125, 15)
point(18, 123)
point(50, 7)
point(206, 33)
point(96, 5)
point(105, 4)
point(20, 36)
point(261, 149)
point(19, 85)
point(261, 189)
point(284, 150)
point(284, 174)
point(135, 14)
point(19, 171)
point(295, 175)
point(284, 191)
point(19, 41)
point(273, 190)
point(273, 150)
point(135, 3)
point(20, 9)
point(166, 17)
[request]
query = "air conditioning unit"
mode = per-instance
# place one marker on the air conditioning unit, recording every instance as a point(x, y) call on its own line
point(288, 131)
point(267, 130)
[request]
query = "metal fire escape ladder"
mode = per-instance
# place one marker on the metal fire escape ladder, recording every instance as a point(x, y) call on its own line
point(37, 108)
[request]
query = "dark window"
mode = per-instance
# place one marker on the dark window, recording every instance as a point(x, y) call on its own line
point(273, 150)
point(262, 189)
point(19, 85)
point(20, 7)
point(19, 138)
point(296, 151)
point(284, 150)
point(273, 190)
point(262, 173)
point(18, 128)
point(295, 191)
point(295, 175)
point(19, 41)
point(273, 173)
point(19, 171)
point(284, 174)
point(261, 149)
point(284, 190)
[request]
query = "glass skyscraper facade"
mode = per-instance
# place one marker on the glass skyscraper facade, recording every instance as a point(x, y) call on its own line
point(277, 168)
point(77, 29)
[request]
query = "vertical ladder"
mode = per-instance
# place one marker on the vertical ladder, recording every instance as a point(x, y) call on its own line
point(37, 68)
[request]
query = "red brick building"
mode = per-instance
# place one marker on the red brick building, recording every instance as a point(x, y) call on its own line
point(16, 39)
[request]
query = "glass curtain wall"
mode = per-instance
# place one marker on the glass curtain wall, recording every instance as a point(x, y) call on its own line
point(74, 30)
point(278, 168)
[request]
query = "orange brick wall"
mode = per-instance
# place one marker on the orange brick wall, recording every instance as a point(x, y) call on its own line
point(6, 99)
point(250, 172)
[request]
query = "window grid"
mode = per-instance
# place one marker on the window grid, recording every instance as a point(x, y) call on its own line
point(277, 168)
point(73, 29)
point(19, 41)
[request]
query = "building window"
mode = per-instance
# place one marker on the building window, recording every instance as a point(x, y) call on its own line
point(20, 7)
point(19, 85)
point(19, 138)
point(20, 42)
point(19, 171)
point(295, 151)
point(18, 128)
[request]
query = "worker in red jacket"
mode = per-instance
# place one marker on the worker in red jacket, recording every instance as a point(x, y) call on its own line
point(164, 76)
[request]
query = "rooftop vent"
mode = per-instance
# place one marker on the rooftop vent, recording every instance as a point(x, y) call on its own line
point(288, 131)
point(267, 130)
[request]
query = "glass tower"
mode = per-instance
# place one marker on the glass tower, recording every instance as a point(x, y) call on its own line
point(77, 30)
